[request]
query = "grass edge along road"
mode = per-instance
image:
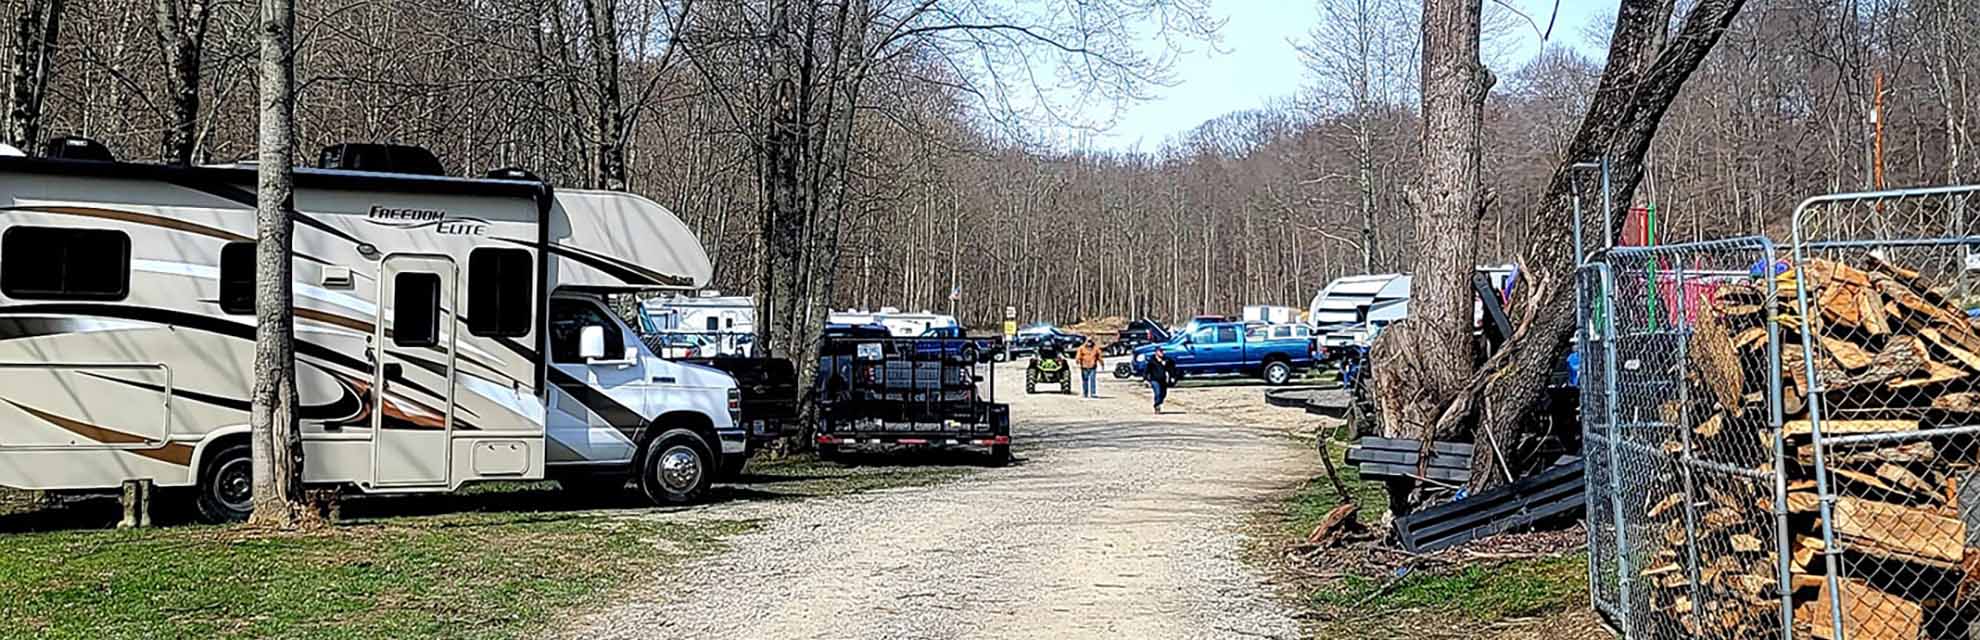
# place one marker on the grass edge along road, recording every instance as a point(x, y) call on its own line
point(1348, 601)
point(472, 575)
point(460, 574)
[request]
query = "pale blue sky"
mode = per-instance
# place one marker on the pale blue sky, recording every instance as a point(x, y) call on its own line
point(1259, 64)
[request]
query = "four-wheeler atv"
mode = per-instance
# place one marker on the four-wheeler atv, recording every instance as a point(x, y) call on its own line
point(1048, 367)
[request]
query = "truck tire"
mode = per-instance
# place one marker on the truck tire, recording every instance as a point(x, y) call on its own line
point(1123, 371)
point(226, 485)
point(1030, 381)
point(1000, 455)
point(828, 453)
point(1277, 372)
point(676, 468)
point(1001, 356)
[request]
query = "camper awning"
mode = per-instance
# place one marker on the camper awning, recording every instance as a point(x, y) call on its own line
point(609, 239)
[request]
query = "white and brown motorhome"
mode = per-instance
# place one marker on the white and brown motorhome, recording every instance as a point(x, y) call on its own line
point(448, 330)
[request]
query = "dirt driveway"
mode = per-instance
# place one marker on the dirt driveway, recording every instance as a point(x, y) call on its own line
point(1116, 523)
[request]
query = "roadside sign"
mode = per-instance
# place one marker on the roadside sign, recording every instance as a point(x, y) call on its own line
point(1010, 328)
point(1010, 313)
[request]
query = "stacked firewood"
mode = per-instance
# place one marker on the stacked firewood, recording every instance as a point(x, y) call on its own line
point(1894, 354)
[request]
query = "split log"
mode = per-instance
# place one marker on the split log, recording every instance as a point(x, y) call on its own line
point(1712, 350)
point(1848, 427)
point(1867, 613)
point(1902, 533)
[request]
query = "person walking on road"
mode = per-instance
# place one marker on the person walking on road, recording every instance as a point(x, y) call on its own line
point(1088, 358)
point(1157, 375)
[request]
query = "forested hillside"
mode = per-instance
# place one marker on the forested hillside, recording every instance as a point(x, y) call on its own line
point(929, 158)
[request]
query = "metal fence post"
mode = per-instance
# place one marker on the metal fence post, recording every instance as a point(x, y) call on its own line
point(1823, 490)
point(1586, 341)
point(1686, 459)
point(1609, 395)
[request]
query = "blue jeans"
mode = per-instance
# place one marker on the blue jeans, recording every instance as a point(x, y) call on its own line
point(1161, 393)
point(1089, 383)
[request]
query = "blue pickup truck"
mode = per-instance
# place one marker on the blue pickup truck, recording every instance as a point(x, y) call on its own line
point(1272, 352)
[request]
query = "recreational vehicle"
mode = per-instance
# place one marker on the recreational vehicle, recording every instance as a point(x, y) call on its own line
point(900, 324)
point(705, 325)
point(448, 330)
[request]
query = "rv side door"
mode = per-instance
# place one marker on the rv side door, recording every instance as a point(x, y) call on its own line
point(412, 352)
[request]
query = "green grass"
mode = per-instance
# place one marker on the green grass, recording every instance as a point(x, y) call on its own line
point(1306, 507)
point(469, 575)
point(1478, 593)
point(1444, 598)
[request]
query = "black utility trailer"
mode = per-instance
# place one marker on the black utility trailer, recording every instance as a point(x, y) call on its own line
point(912, 392)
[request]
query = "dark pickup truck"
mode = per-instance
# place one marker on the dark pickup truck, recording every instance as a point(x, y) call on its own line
point(915, 392)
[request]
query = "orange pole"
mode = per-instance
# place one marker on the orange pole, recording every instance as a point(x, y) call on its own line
point(1877, 119)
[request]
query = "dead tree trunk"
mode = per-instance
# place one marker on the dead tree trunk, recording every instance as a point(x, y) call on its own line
point(1644, 73)
point(182, 39)
point(35, 32)
point(1427, 359)
point(277, 438)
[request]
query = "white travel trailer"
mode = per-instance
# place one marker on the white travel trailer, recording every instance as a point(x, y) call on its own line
point(448, 330)
point(704, 325)
point(709, 313)
point(901, 324)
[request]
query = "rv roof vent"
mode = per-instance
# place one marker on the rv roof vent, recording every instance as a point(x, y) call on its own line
point(513, 173)
point(76, 148)
point(381, 158)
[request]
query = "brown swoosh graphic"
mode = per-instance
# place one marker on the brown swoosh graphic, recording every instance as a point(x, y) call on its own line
point(173, 452)
point(140, 218)
point(329, 318)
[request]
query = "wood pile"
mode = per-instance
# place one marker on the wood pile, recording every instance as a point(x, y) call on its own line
point(1894, 354)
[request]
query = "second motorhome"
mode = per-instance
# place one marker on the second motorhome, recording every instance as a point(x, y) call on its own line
point(448, 331)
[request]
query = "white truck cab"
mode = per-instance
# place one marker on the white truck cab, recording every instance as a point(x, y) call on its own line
point(616, 406)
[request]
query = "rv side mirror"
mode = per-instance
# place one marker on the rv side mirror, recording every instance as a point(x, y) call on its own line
point(591, 343)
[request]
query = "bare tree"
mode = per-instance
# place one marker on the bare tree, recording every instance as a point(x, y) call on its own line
point(1647, 66)
point(277, 437)
point(182, 39)
point(35, 32)
point(1422, 363)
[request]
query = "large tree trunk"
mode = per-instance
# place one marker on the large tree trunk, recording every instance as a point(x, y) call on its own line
point(1426, 360)
point(1644, 74)
point(182, 39)
point(35, 32)
point(611, 124)
point(277, 438)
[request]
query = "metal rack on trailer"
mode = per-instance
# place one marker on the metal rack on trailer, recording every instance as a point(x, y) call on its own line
point(915, 392)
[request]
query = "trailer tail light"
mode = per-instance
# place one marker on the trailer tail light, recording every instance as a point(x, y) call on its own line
point(735, 406)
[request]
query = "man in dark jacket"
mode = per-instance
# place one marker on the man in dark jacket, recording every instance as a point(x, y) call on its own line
point(1157, 373)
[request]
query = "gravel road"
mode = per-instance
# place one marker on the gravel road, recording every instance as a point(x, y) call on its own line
point(1116, 523)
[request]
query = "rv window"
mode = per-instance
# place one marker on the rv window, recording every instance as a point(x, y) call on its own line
point(237, 278)
point(714, 324)
point(499, 282)
point(53, 263)
point(416, 309)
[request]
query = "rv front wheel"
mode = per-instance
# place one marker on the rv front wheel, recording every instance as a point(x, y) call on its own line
point(678, 468)
point(226, 485)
